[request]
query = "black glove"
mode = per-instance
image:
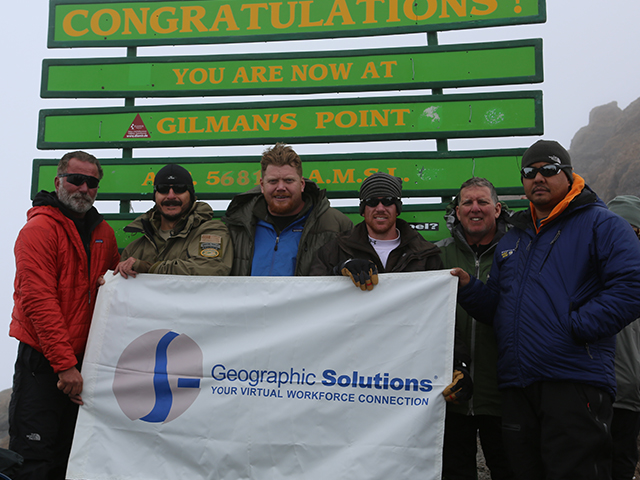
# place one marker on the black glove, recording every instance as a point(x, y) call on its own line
point(363, 273)
point(461, 387)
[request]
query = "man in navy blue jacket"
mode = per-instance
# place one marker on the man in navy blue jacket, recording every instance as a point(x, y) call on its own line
point(564, 281)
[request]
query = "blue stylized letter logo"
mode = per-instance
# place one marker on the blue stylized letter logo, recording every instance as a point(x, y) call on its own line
point(158, 376)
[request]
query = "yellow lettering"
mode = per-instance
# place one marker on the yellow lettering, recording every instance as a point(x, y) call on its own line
point(275, 15)
point(192, 125)
point(212, 75)
point(224, 15)
point(241, 74)
point(140, 24)
point(316, 177)
point(275, 74)
point(171, 128)
point(302, 75)
point(490, 4)
point(241, 122)
point(290, 120)
point(115, 22)
point(340, 9)
point(412, 15)
point(155, 20)
point(340, 71)
point(182, 123)
point(213, 123)
point(188, 18)
point(370, 69)
point(323, 72)
point(393, 11)
point(339, 177)
point(370, 15)
point(353, 118)
point(370, 171)
point(253, 14)
point(459, 8)
point(305, 14)
point(363, 118)
point(392, 171)
point(258, 73)
point(68, 28)
point(400, 113)
point(264, 124)
point(180, 76)
point(149, 179)
point(323, 117)
point(387, 66)
point(384, 121)
point(203, 76)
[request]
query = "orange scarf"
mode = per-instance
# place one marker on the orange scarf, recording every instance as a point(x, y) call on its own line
point(576, 189)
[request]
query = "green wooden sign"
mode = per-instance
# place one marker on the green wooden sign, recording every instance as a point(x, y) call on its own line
point(87, 23)
point(427, 219)
point(215, 178)
point(389, 69)
point(338, 120)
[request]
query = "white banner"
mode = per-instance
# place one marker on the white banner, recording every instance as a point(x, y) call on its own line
point(266, 378)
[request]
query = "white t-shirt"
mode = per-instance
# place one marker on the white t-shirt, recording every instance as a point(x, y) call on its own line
point(384, 247)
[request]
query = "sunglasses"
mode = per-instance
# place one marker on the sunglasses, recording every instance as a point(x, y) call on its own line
point(548, 170)
point(373, 202)
point(78, 179)
point(177, 189)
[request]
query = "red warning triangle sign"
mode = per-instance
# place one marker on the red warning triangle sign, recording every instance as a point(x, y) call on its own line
point(137, 129)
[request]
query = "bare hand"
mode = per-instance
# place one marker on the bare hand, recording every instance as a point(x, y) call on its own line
point(101, 280)
point(70, 382)
point(126, 268)
point(462, 276)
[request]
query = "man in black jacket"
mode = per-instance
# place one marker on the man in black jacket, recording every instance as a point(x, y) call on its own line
point(385, 243)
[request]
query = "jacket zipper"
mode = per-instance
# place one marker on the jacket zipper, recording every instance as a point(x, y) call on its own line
point(550, 248)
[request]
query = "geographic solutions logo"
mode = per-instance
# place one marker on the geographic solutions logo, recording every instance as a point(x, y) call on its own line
point(158, 376)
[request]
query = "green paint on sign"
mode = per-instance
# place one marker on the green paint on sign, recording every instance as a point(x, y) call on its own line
point(346, 120)
point(76, 23)
point(387, 69)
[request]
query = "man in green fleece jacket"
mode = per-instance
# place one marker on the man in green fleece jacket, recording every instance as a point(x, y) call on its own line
point(477, 222)
point(180, 236)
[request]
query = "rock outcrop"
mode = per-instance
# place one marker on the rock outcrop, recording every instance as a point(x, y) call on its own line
point(607, 151)
point(5, 396)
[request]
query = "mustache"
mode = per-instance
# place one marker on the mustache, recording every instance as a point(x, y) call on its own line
point(81, 196)
point(172, 203)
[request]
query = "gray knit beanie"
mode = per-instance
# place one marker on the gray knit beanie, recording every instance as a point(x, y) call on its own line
point(381, 184)
point(628, 207)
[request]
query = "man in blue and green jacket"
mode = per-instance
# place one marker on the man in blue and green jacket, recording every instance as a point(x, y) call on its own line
point(564, 281)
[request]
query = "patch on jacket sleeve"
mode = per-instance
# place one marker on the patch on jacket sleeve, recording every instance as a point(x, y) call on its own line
point(507, 253)
point(210, 245)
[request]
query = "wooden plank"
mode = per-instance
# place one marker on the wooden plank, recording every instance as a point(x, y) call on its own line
point(312, 121)
point(424, 173)
point(497, 63)
point(92, 23)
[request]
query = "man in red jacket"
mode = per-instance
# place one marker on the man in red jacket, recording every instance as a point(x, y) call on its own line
point(61, 252)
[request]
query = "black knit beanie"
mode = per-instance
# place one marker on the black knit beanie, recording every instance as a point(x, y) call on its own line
point(173, 174)
point(381, 184)
point(548, 151)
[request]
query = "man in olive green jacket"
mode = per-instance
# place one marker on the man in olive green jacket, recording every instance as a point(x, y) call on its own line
point(180, 236)
point(477, 221)
point(278, 227)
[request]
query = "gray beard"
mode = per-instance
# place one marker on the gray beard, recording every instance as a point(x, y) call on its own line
point(76, 202)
